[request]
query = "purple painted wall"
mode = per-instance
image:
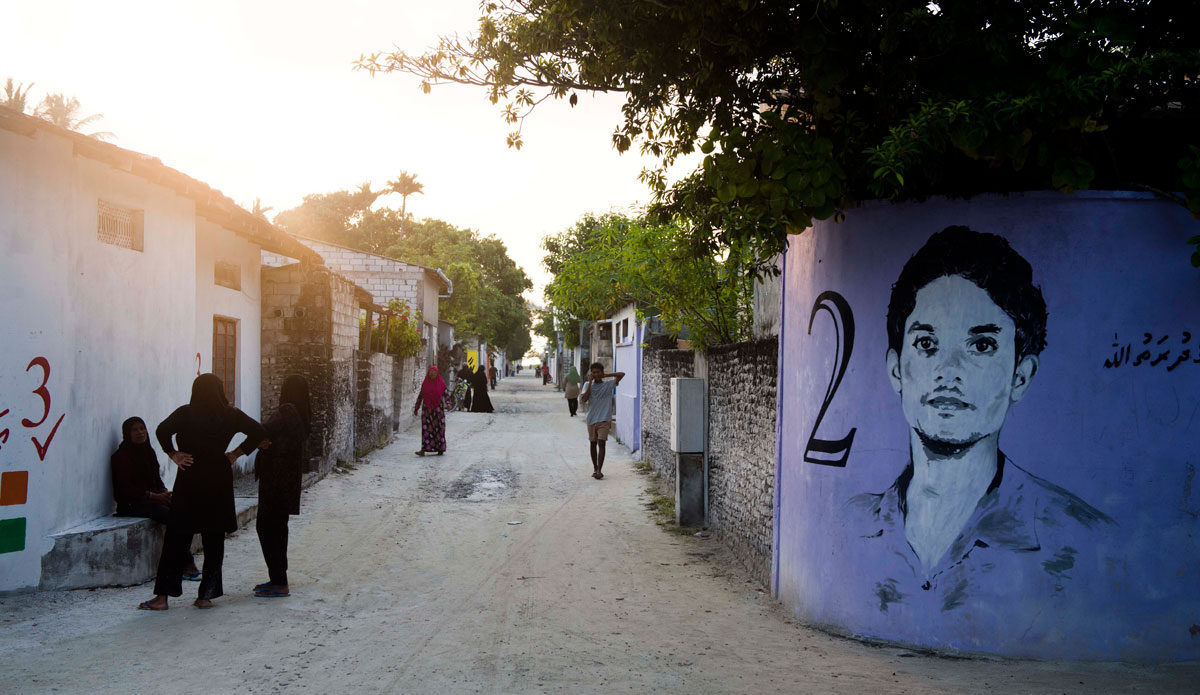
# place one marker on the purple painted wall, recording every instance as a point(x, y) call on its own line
point(1080, 541)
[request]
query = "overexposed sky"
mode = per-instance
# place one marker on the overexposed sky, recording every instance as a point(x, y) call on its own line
point(258, 98)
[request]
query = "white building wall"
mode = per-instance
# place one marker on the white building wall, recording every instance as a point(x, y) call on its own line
point(213, 244)
point(627, 357)
point(115, 327)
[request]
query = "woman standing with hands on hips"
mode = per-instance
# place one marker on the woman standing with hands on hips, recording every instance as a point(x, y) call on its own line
point(203, 498)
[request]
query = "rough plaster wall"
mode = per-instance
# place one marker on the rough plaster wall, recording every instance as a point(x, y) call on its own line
point(76, 301)
point(741, 441)
point(659, 365)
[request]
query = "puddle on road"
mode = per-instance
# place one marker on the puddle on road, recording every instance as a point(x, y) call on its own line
point(482, 485)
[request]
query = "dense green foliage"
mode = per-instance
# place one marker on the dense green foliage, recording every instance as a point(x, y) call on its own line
point(399, 334)
point(804, 108)
point(604, 263)
point(488, 284)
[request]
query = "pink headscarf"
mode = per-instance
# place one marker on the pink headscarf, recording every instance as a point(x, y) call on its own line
point(432, 389)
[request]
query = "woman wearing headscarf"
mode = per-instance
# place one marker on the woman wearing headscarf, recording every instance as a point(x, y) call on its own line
point(196, 437)
point(432, 404)
point(137, 486)
point(571, 391)
point(480, 401)
point(279, 468)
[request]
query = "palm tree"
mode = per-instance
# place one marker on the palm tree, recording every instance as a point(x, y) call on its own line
point(258, 210)
point(64, 113)
point(405, 184)
point(14, 97)
point(364, 197)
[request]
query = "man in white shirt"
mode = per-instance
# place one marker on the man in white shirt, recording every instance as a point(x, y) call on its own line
point(599, 397)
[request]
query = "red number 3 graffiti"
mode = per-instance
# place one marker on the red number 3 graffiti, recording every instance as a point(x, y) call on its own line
point(42, 392)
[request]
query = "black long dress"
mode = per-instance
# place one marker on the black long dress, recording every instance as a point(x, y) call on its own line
point(279, 470)
point(202, 501)
point(480, 402)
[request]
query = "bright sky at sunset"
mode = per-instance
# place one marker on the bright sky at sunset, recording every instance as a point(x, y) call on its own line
point(258, 99)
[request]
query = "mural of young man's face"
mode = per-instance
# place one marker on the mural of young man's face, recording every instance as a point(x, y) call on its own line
point(957, 372)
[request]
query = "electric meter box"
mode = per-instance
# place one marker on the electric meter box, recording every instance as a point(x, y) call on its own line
point(687, 415)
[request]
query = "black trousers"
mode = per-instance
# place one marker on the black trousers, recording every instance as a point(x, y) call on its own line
point(573, 405)
point(172, 561)
point(158, 512)
point(272, 527)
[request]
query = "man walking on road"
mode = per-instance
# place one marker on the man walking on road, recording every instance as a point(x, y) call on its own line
point(599, 397)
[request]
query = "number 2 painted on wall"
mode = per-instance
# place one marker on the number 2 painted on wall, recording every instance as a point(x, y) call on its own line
point(833, 452)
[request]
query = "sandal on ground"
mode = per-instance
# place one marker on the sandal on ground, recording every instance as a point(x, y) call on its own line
point(268, 592)
point(421, 452)
point(192, 577)
point(145, 606)
point(264, 585)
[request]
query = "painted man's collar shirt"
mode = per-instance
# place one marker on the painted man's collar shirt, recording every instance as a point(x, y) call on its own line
point(1023, 536)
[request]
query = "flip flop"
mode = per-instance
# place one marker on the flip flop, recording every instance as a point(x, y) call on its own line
point(268, 592)
point(145, 606)
point(192, 577)
point(264, 585)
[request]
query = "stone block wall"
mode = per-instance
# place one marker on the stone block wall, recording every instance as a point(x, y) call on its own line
point(660, 363)
point(384, 278)
point(741, 450)
point(375, 404)
point(310, 327)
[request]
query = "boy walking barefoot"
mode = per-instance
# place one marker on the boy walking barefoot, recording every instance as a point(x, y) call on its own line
point(599, 397)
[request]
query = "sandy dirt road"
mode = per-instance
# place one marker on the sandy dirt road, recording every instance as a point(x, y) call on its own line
point(407, 578)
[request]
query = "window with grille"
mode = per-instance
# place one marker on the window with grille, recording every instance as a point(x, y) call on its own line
point(225, 354)
point(119, 226)
point(228, 275)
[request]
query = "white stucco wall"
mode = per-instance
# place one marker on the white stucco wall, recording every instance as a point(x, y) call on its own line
point(115, 326)
point(213, 244)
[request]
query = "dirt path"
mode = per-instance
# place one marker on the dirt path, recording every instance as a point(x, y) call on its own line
point(407, 578)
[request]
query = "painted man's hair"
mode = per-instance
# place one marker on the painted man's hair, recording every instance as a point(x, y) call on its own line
point(986, 260)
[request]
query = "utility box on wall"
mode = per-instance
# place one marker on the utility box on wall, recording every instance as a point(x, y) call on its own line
point(687, 415)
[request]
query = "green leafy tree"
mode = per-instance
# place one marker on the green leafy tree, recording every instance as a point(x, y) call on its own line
point(344, 217)
point(63, 111)
point(14, 97)
point(607, 262)
point(488, 284)
point(804, 108)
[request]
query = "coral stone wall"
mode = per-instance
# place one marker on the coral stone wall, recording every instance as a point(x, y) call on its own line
point(661, 363)
point(741, 450)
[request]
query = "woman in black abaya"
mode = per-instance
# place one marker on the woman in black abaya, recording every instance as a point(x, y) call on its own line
point(196, 437)
point(480, 402)
point(279, 469)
